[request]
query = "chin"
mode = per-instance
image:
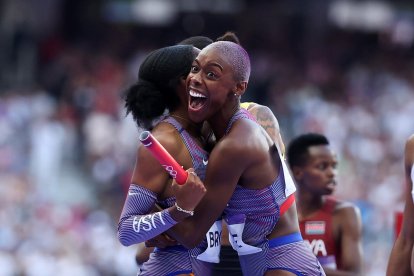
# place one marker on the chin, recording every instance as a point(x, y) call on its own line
point(195, 118)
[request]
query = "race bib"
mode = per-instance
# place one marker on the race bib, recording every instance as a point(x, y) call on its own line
point(213, 236)
point(235, 224)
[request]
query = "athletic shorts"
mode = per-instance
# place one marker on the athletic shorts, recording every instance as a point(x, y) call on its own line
point(288, 253)
point(175, 260)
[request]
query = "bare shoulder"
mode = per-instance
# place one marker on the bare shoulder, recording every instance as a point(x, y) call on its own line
point(147, 172)
point(410, 140)
point(169, 138)
point(409, 145)
point(241, 142)
point(166, 138)
point(409, 148)
point(346, 210)
point(246, 134)
point(263, 113)
point(347, 219)
point(236, 142)
point(267, 119)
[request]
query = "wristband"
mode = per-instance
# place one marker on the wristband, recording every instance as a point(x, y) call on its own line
point(191, 213)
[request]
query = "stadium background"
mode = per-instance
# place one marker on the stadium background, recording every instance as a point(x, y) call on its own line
point(344, 68)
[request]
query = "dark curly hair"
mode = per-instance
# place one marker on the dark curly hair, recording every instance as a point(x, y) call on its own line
point(229, 36)
point(197, 41)
point(158, 77)
point(201, 42)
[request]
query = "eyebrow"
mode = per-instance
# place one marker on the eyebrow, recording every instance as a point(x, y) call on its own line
point(216, 64)
point(213, 63)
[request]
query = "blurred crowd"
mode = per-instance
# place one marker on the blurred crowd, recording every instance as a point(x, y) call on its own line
point(67, 148)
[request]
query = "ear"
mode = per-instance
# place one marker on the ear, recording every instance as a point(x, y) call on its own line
point(240, 88)
point(297, 173)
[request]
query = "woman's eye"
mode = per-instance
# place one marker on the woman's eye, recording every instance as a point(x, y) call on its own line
point(211, 75)
point(194, 68)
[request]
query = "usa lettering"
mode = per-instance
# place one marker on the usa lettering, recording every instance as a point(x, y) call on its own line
point(146, 223)
point(318, 247)
point(214, 238)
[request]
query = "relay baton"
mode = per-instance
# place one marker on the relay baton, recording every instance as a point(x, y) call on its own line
point(162, 155)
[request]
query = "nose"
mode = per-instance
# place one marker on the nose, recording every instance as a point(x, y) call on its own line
point(332, 171)
point(194, 78)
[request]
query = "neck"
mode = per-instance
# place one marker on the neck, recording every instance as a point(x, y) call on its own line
point(221, 120)
point(308, 203)
point(191, 127)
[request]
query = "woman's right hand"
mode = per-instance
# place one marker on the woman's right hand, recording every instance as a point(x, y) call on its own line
point(161, 241)
point(190, 193)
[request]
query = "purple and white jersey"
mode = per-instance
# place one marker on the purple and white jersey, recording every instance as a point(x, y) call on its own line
point(198, 155)
point(289, 253)
point(137, 224)
point(261, 207)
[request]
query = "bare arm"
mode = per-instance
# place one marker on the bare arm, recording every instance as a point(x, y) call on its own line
point(350, 239)
point(148, 172)
point(142, 254)
point(401, 254)
point(221, 179)
point(138, 222)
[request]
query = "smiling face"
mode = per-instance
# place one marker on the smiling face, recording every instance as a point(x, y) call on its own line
point(212, 82)
point(319, 172)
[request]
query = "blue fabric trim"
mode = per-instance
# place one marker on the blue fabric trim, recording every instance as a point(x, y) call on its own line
point(171, 248)
point(291, 238)
point(287, 269)
point(179, 272)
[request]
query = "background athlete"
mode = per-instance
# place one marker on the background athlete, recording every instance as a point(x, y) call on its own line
point(332, 227)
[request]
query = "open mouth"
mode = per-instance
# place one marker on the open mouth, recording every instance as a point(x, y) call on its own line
point(331, 186)
point(196, 100)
